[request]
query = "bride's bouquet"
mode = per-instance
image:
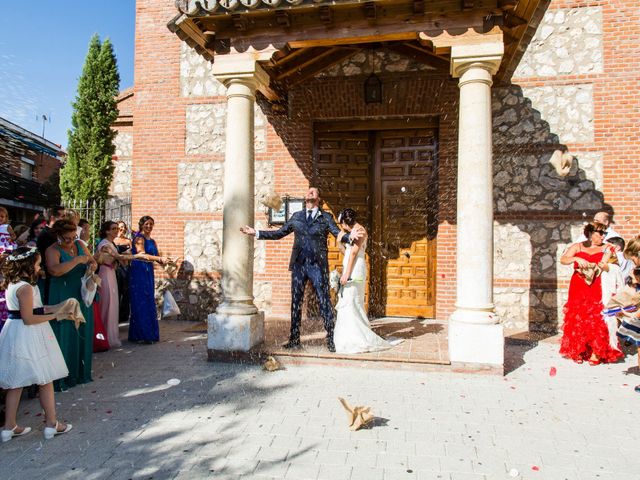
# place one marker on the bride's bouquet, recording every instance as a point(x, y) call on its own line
point(334, 279)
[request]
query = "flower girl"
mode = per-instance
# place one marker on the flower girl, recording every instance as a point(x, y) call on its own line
point(29, 351)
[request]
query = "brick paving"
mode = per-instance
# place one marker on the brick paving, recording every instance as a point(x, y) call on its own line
point(229, 421)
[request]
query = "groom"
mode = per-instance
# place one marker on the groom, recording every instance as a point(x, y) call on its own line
point(311, 228)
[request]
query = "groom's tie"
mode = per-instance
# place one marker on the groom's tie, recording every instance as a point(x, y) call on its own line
point(309, 216)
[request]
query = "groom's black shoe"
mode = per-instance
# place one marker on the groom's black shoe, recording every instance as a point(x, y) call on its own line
point(293, 344)
point(330, 345)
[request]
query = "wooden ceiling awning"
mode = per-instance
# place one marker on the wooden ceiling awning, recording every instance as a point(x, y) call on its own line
point(312, 35)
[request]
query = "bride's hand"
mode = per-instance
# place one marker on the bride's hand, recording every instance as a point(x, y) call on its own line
point(356, 233)
point(344, 279)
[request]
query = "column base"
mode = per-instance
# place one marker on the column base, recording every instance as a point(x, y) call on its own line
point(233, 332)
point(476, 343)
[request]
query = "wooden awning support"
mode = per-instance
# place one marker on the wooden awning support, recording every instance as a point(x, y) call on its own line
point(307, 36)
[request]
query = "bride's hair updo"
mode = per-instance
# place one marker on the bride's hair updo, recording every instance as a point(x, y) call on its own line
point(347, 216)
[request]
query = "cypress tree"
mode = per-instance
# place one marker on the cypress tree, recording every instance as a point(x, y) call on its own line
point(88, 170)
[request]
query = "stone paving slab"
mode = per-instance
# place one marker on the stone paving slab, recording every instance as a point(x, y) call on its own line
point(231, 421)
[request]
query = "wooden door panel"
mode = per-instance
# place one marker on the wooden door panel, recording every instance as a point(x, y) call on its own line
point(342, 168)
point(394, 197)
point(406, 190)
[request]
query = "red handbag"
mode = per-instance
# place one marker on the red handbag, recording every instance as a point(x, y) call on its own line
point(100, 341)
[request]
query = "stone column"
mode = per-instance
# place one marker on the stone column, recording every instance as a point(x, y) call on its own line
point(237, 325)
point(475, 334)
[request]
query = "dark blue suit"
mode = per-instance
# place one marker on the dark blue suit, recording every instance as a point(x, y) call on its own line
point(308, 262)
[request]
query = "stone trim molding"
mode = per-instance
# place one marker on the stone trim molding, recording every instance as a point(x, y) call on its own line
point(486, 56)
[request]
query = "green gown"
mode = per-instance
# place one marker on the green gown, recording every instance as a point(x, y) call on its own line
point(76, 345)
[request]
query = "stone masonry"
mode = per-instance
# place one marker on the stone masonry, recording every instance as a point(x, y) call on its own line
point(378, 61)
point(530, 122)
point(200, 185)
point(567, 42)
point(206, 129)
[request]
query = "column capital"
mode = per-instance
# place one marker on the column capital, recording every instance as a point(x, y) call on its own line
point(240, 69)
point(486, 56)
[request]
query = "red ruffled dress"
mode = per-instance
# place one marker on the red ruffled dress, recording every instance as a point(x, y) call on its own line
point(584, 330)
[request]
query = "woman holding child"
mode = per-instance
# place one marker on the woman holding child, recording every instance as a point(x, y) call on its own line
point(585, 334)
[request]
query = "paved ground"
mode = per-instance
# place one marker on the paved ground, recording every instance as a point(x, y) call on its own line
point(423, 341)
point(229, 421)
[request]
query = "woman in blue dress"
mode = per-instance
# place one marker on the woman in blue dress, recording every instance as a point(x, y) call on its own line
point(143, 324)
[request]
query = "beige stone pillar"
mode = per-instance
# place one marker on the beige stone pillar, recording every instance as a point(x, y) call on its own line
point(475, 334)
point(237, 325)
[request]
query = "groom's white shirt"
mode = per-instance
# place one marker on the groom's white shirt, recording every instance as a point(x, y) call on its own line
point(314, 213)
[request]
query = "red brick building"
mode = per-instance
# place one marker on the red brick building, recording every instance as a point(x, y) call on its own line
point(564, 85)
point(27, 162)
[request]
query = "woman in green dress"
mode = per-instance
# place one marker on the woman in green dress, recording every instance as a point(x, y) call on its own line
point(67, 262)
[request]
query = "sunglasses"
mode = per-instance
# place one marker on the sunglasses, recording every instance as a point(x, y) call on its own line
point(601, 232)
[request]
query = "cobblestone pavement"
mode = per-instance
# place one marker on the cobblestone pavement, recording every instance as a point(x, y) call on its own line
point(238, 421)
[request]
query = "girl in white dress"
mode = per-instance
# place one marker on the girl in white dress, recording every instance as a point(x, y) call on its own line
point(352, 332)
point(29, 351)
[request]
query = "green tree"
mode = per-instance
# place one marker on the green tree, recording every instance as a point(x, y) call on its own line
point(88, 170)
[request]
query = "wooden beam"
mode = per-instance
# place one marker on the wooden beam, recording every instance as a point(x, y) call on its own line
point(467, 4)
point(326, 14)
point(507, 4)
point(337, 55)
point(420, 54)
point(534, 11)
point(512, 20)
point(239, 23)
point(283, 19)
point(291, 55)
point(370, 10)
point(442, 41)
point(347, 40)
point(376, 124)
point(313, 57)
point(391, 24)
point(187, 25)
point(303, 56)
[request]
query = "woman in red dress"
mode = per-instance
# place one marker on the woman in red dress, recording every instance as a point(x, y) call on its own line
point(585, 335)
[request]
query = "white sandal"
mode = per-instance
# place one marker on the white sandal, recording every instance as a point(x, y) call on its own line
point(50, 432)
point(9, 434)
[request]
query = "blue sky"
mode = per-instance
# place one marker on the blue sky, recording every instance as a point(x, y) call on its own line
point(42, 48)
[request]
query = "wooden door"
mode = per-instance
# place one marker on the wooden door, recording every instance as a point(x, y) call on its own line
point(404, 223)
point(342, 172)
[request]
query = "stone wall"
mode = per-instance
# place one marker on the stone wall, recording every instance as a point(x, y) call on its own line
point(201, 185)
point(203, 254)
point(120, 187)
point(121, 182)
point(531, 121)
point(206, 129)
point(196, 75)
point(123, 142)
point(568, 42)
point(568, 109)
point(378, 61)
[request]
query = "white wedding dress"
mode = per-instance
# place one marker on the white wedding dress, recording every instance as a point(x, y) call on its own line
point(353, 332)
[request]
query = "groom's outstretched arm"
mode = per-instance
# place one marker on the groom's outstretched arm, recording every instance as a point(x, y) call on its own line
point(283, 231)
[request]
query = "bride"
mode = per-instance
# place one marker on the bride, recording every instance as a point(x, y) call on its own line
point(353, 333)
